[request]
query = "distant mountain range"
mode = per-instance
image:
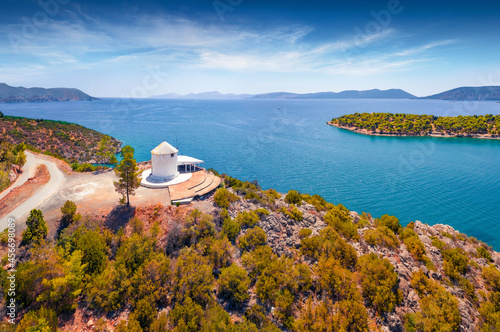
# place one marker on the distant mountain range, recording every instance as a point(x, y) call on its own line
point(352, 94)
point(464, 93)
point(204, 95)
point(10, 94)
point(349, 94)
point(469, 93)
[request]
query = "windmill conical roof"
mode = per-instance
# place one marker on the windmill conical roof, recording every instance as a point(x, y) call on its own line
point(164, 148)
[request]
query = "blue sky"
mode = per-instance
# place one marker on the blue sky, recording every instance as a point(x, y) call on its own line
point(132, 48)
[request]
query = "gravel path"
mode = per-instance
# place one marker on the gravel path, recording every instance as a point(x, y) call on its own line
point(56, 179)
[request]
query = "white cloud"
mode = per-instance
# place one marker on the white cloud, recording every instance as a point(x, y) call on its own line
point(81, 42)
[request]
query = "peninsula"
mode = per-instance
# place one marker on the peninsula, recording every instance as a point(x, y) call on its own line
point(10, 94)
point(401, 124)
point(62, 139)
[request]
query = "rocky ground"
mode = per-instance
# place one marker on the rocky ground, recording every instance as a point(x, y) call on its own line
point(283, 238)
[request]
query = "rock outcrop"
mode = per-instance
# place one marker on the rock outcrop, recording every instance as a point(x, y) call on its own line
point(283, 237)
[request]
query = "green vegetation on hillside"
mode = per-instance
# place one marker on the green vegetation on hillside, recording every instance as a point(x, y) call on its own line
point(413, 124)
point(61, 139)
point(10, 155)
point(195, 271)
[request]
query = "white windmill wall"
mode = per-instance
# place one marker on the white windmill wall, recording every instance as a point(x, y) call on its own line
point(164, 165)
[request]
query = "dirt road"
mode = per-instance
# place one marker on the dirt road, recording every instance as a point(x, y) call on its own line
point(56, 179)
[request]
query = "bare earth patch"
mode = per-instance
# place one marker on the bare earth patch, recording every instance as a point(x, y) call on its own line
point(19, 194)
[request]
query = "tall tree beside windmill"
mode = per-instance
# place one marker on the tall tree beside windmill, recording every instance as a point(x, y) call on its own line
point(129, 175)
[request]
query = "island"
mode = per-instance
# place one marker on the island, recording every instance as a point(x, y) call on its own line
point(401, 124)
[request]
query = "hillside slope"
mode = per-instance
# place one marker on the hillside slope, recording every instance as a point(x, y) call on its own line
point(252, 260)
point(68, 140)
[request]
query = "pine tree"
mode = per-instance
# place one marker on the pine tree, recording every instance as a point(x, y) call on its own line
point(36, 227)
point(129, 175)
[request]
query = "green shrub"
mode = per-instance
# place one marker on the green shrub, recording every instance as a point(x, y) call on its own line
point(329, 244)
point(439, 307)
point(252, 195)
point(381, 236)
point(231, 228)
point(256, 261)
point(455, 262)
point(336, 280)
point(68, 211)
point(144, 312)
point(93, 247)
point(347, 315)
point(304, 232)
point(256, 315)
point(247, 218)
point(280, 283)
point(193, 278)
point(293, 197)
point(320, 204)
point(390, 222)
point(379, 282)
point(492, 277)
point(253, 238)
point(220, 253)
point(292, 213)
point(413, 243)
point(489, 320)
point(187, 316)
point(43, 320)
point(438, 243)
point(223, 198)
point(338, 218)
point(482, 252)
point(61, 292)
point(468, 288)
point(448, 235)
point(273, 194)
point(85, 167)
point(262, 212)
point(423, 285)
point(234, 284)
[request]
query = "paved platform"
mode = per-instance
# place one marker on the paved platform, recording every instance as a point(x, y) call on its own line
point(149, 181)
point(201, 183)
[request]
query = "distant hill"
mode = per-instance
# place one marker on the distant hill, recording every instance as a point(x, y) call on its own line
point(469, 93)
point(10, 94)
point(204, 95)
point(349, 94)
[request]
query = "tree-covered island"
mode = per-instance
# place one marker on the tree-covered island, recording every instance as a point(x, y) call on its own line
point(401, 124)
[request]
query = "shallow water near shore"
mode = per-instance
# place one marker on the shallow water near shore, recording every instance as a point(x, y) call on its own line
point(286, 144)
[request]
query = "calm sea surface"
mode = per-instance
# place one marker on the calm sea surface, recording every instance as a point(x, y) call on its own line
point(285, 144)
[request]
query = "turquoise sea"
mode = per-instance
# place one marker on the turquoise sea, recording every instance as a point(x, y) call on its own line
point(285, 144)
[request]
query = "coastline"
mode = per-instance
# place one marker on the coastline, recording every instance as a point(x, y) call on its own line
point(433, 134)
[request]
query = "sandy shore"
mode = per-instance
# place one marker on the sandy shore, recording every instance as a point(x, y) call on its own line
point(432, 134)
